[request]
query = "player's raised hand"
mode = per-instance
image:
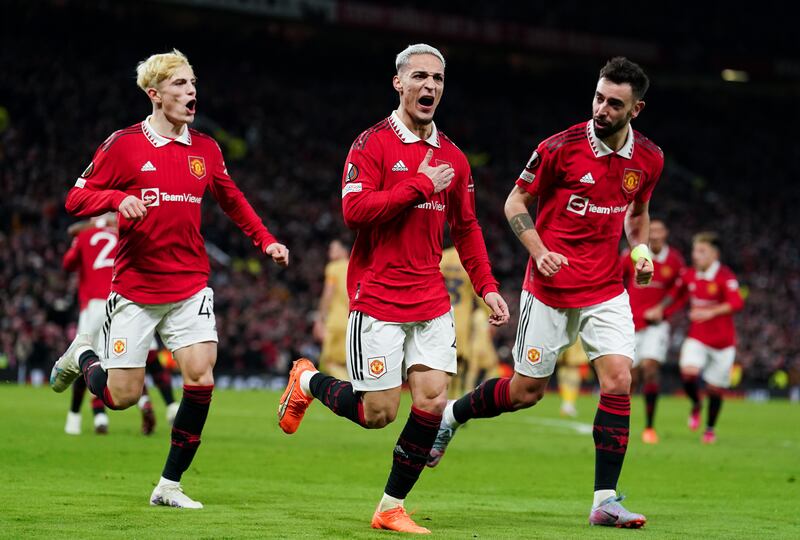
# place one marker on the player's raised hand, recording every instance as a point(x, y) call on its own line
point(279, 253)
point(441, 175)
point(550, 262)
point(644, 271)
point(654, 314)
point(499, 308)
point(132, 208)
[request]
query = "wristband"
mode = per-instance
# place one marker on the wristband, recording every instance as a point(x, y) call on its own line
point(641, 252)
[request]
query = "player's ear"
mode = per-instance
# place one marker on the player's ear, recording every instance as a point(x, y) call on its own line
point(397, 84)
point(152, 93)
point(637, 108)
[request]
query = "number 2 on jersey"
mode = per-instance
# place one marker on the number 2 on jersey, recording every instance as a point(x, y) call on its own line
point(103, 260)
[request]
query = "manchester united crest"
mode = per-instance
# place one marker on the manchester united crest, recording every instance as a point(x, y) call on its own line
point(377, 366)
point(666, 272)
point(712, 288)
point(631, 179)
point(119, 346)
point(534, 355)
point(197, 166)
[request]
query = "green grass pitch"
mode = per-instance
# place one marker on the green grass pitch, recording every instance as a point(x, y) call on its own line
point(523, 475)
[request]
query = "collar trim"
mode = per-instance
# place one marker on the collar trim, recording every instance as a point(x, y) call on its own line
point(601, 149)
point(159, 140)
point(408, 136)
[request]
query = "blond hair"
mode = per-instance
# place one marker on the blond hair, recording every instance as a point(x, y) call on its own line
point(404, 57)
point(157, 68)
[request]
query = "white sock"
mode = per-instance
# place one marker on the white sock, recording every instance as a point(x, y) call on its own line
point(79, 352)
point(448, 418)
point(387, 503)
point(164, 482)
point(601, 495)
point(305, 381)
point(143, 401)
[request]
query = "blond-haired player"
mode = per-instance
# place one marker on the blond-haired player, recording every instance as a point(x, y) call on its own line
point(155, 174)
point(330, 325)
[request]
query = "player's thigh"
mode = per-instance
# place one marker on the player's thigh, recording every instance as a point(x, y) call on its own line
point(606, 329)
point(694, 354)
point(428, 388)
point(652, 342)
point(190, 321)
point(197, 362)
point(125, 382)
point(543, 333)
point(718, 369)
point(432, 344)
point(128, 332)
point(374, 350)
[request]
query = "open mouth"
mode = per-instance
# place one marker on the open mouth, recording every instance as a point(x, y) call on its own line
point(426, 101)
point(190, 105)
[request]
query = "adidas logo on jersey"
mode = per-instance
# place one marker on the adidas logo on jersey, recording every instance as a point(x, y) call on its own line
point(587, 179)
point(148, 167)
point(399, 166)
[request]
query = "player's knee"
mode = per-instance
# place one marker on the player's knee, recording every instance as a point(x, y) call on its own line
point(125, 397)
point(618, 382)
point(379, 418)
point(526, 396)
point(433, 405)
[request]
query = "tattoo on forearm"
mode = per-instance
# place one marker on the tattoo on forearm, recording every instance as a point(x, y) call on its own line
point(521, 223)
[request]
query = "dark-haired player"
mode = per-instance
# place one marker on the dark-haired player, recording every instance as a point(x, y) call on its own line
point(591, 183)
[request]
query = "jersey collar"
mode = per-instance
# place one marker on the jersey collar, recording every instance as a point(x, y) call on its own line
point(158, 141)
point(601, 149)
point(408, 136)
point(661, 256)
point(710, 273)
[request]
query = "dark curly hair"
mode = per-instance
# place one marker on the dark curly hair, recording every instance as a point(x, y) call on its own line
point(620, 70)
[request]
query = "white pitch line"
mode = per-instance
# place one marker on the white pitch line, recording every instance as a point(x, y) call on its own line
point(578, 427)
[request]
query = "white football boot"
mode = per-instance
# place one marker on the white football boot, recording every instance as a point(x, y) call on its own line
point(172, 494)
point(172, 411)
point(73, 426)
point(66, 368)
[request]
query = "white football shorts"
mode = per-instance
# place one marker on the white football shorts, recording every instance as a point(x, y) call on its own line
point(544, 332)
point(129, 328)
point(652, 342)
point(379, 353)
point(715, 364)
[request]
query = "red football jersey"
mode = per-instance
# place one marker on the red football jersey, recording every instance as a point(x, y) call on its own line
point(584, 189)
point(394, 273)
point(667, 265)
point(161, 258)
point(715, 286)
point(92, 255)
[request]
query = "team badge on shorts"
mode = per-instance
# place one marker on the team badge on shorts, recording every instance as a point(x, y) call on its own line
point(631, 179)
point(119, 346)
point(197, 166)
point(534, 355)
point(377, 366)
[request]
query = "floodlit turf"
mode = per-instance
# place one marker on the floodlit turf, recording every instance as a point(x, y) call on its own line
point(526, 475)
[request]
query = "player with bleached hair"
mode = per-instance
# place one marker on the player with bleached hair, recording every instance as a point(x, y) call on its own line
point(154, 174)
point(403, 179)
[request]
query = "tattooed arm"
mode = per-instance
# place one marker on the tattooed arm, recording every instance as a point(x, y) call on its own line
point(516, 209)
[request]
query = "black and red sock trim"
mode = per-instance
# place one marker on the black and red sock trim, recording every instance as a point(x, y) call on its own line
point(411, 451)
point(491, 398)
point(186, 430)
point(610, 432)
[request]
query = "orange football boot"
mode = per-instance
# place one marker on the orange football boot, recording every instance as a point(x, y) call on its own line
point(649, 436)
point(294, 402)
point(398, 520)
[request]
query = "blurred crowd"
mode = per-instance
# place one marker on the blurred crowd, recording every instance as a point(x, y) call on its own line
point(286, 128)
